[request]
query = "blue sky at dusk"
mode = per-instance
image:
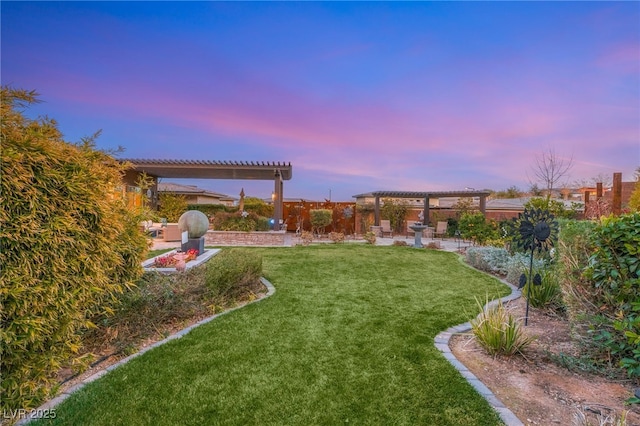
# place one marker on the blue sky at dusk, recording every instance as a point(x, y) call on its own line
point(357, 96)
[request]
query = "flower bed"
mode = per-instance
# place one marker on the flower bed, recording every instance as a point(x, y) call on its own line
point(170, 261)
point(166, 263)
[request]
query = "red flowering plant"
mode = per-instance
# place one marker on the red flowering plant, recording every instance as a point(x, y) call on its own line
point(168, 261)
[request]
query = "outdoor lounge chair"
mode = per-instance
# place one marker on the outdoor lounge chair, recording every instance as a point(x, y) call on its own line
point(441, 229)
point(385, 226)
point(410, 232)
point(171, 232)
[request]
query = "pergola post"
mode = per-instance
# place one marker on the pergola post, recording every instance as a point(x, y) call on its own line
point(277, 201)
point(425, 211)
point(616, 204)
point(376, 212)
point(483, 205)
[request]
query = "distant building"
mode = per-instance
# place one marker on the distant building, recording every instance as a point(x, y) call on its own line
point(195, 195)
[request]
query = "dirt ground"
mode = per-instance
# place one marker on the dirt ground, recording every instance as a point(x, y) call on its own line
point(538, 391)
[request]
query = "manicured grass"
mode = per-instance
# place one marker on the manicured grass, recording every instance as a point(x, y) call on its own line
point(154, 253)
point(348, 337)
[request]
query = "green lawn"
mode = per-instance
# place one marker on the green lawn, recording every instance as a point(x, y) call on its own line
point(346, 338)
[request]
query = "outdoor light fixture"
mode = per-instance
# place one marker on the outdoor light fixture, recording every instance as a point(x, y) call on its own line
point(536, 230)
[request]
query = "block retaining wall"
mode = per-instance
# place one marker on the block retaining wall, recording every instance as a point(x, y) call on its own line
point(238, 238)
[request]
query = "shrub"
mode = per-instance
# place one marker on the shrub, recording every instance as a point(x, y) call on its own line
point(498, 332)
point(614, 269)
point(258, 206)
point(231, 271)
point(68, 242)
point(336, 237)
point(212, 209)
point(157, 299)
point(400, 243)
point(172, 206)
point(489, 259)
point(474, 226)
point(574, 249)
point(306, 237)
point(320, 218)
point(370, 237)
point(518, 264)
point(434, 245)
point(240, 221)
point(556, 208)
point(545, 295)
point(395, 212)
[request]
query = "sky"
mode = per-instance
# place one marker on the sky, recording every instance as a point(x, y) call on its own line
point(357, 96)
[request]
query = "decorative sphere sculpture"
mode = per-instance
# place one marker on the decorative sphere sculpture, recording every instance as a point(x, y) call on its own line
point(195, 222)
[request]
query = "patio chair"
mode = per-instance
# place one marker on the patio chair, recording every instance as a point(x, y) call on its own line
point(441, 229)
point(410, 231)
point(171, 232)
point(385, 226)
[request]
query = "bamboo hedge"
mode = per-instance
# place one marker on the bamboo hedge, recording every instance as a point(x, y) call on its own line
point(68, 245)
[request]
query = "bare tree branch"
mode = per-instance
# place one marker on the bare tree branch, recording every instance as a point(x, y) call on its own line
point(549, 169)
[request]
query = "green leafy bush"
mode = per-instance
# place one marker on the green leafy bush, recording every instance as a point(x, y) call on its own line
point(474, 226)
point(396, 212)
point(555, 207)
point(258, 206)
point(212, 209)
point(614, 268)
point(68, 242)
point(320, 218)
point(172, 206)
point(231, 271)
point(240, 221)
point(498, 332)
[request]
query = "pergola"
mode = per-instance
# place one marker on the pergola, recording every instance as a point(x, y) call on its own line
point(211, 169)
point(377, 195)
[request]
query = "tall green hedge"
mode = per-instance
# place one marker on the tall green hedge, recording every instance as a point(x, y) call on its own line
point(68, 244)
point(600, 278)
point(614, 269)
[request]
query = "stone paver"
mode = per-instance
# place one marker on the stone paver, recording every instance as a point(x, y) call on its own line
point(441, 342)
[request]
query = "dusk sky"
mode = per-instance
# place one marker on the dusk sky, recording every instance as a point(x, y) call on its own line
point(357, 96)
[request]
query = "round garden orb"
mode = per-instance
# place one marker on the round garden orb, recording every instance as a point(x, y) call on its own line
point(195, 222)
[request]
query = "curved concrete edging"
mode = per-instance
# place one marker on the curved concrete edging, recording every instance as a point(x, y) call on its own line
point(49, 405)
point(442, 344)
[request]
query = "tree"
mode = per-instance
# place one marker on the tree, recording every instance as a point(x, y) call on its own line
point(172, 206)
point(396, 212)
point(320, 218)
point(549, 169)
point(258, 206)
point(463, 205)
point(604, 179)
point(511, 192)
